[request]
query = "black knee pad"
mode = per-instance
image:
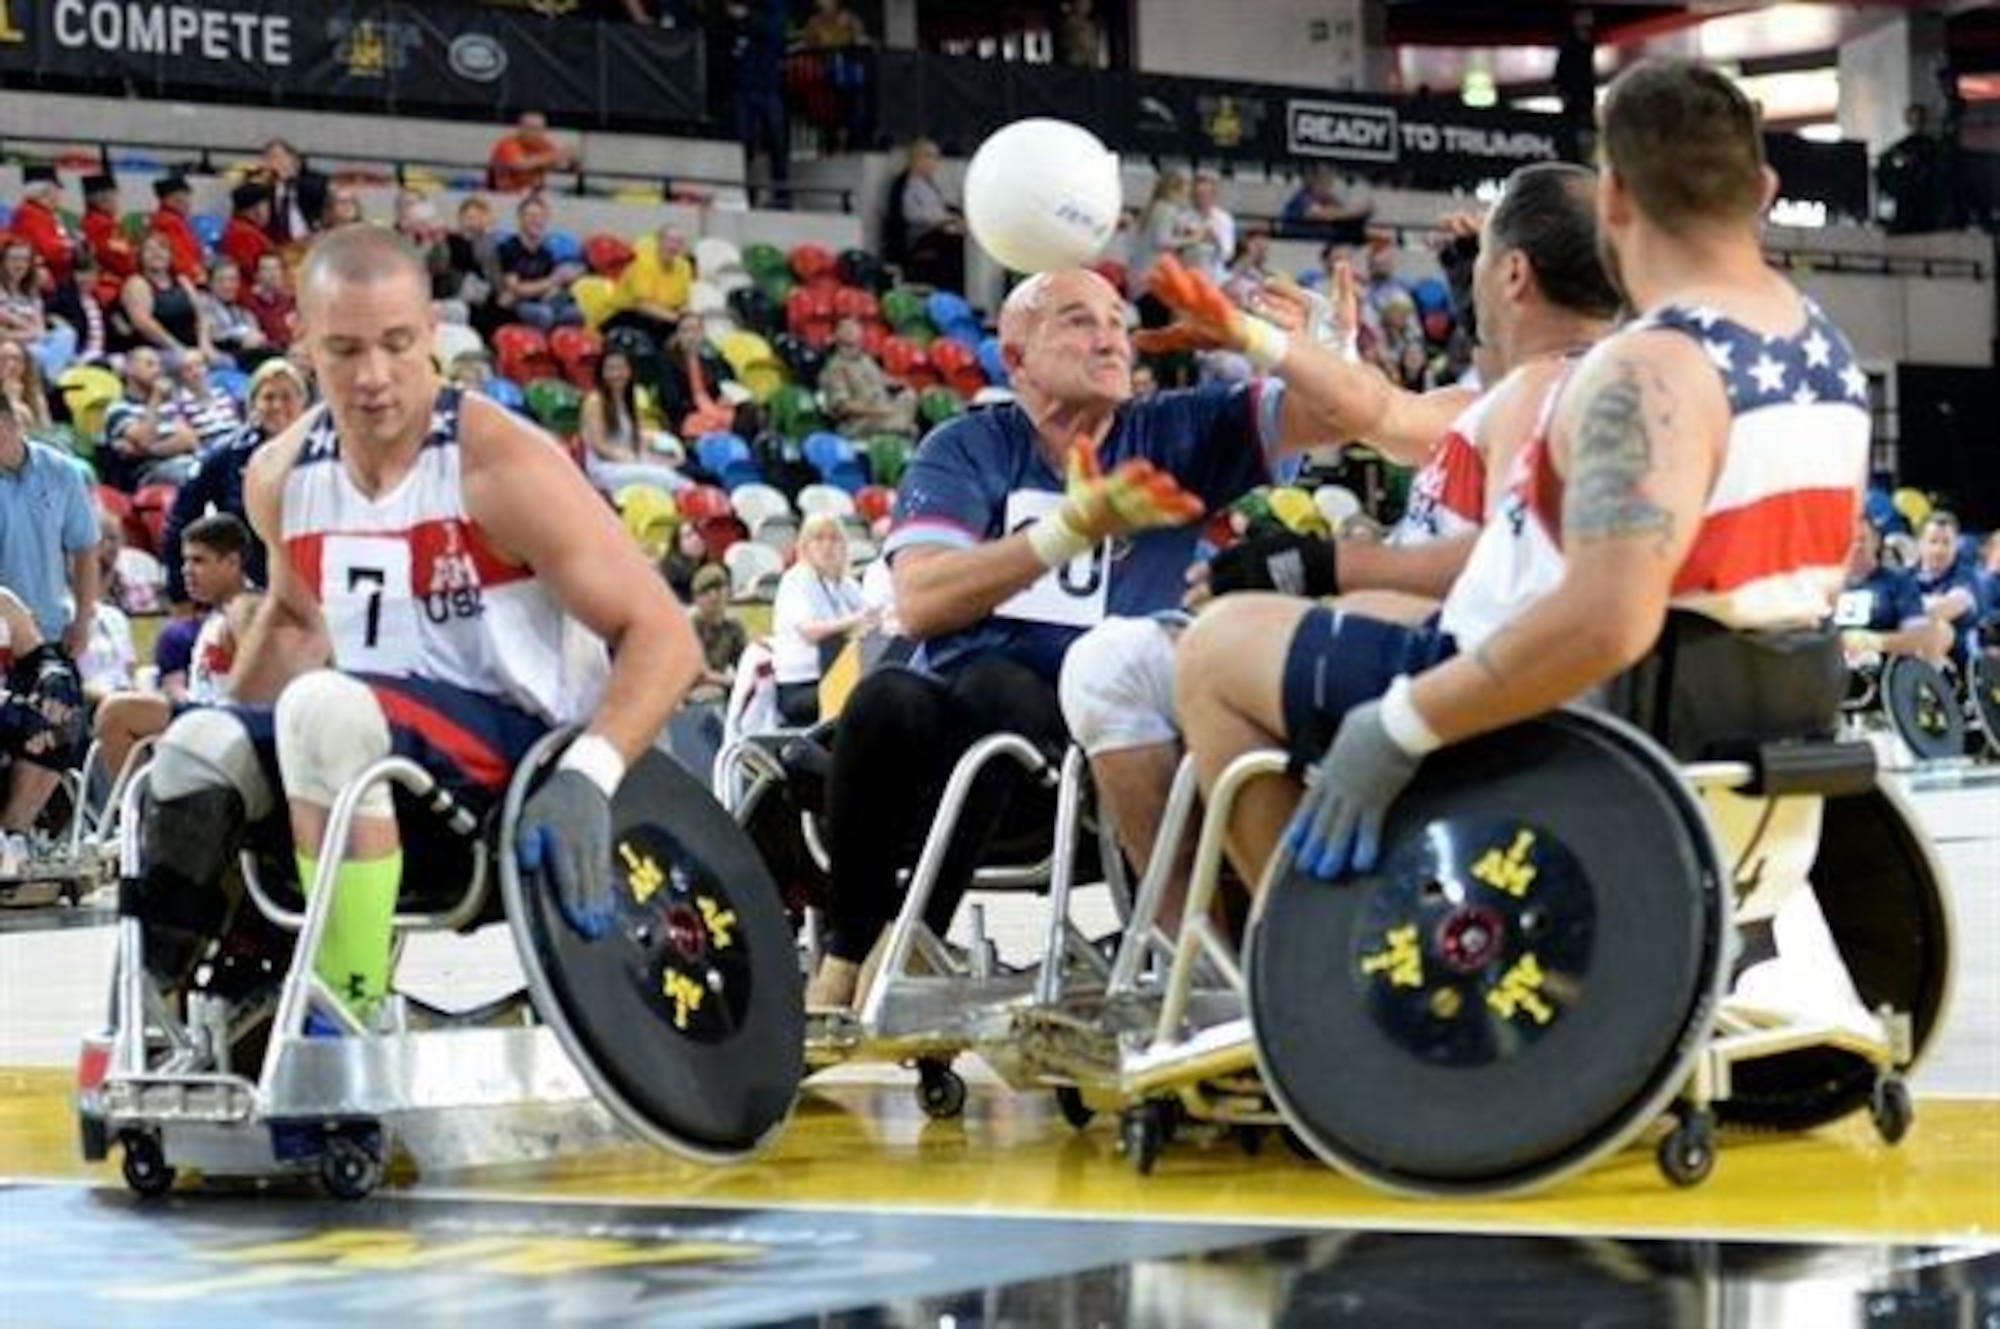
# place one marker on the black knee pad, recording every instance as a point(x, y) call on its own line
point(182, 893)
point(42, 719)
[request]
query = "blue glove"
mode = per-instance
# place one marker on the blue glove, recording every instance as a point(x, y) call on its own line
point(1337, 828)
point(565, 835)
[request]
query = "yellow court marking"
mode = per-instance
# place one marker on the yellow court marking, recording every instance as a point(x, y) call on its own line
point(866, 1145)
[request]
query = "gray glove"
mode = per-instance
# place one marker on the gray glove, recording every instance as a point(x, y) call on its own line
point(1338, 825)
point(565, 835)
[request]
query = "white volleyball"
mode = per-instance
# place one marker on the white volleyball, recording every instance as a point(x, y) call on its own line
point(1042, 195)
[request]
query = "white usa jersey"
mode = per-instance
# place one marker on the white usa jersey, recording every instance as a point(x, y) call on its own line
point(410, 588)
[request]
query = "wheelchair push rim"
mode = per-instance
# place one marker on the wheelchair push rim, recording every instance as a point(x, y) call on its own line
point(1524, 985)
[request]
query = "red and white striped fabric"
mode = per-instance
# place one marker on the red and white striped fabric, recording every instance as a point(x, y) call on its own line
point(1448, 492)
point(410, 587)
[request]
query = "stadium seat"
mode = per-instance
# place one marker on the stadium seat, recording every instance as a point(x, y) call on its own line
point(1114, 272)
point(522, 354)
point(150, 506)
point(1336, 503)
point(904, 359)
point(794, 413)
point(858, 267)
point(507, 393)
point(801, 358)
point(948, 309)
point(826, 501)
point(706, 297)
point(991, 362)
point(703, 501)
point(888, 458)
point(596, 298)
point(937, 405)
point(810, 312)
point(555, 403)
point(564, 247)
point(607, 255)
point(875, 501)
point(208, 229)
point(759, 503)
point(838, 463)
point(650, 515)
point(905, 313)
point(715, 256)
point(756, 310)
point(754, 569)
point(856, 302)
point(452, 340)
point(232, 381)
point(957, 365)
point(578, 351)
point(727, 458)
point(89, 392)
point(813, 264)
point(765, 260)
point(722, 534)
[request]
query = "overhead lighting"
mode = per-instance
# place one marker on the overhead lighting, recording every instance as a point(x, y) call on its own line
point(1479, 90)
point(1552, 105)
point(1827, 131)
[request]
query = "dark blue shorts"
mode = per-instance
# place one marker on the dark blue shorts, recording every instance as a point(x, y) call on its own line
point(470, 742)
point(1338, 661)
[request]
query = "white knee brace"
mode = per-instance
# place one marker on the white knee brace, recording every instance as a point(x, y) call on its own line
point(330, 729)
point(1117, 686)
point(209, 749)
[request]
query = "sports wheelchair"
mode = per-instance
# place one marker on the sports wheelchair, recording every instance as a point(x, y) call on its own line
point(683, 1025)
point(1584, 928)
point(1933, 710)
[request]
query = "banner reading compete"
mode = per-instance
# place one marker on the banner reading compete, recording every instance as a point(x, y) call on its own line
point(175, 31)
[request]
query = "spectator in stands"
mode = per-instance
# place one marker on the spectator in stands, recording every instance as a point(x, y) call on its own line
point(147, 439)
point(1211, 240)
point(298, 194)
point(923, 232)
point(270, 302)
point(22, 390)
point(78, 305)
point(278, 397)
point(343, 207)
point(24, 314)
point(209, 410)
point(1318, 209)
point(158, 307)
point(688, 390)
point(534, 287)
point(108, 662)
point(233, 328)
point(818, 607)
point(1145, 383)
point(688, 556)
point(834, 32)
point(653, 289)
point(38, 220)
point(753, 34)
point(418, 222)
point(523, 159)
point(863, 400)
point(832, 26)
point(1165, 224)
point(1882, 611)
point(104, 235)
point(170, 219)
point(1077, 36)
point(722, 637)
point(472, 268)
point(246, 238)
point(1951, 595)
point(618, 424)
point(1384, 284)
point(48, 558)
point(470, 371)
point(1250, 266)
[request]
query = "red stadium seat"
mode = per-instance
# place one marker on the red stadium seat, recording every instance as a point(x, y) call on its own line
point(874, 336)
point(150, 506)
point(720, 532)
point(904, 359)
point(814, 263)
point(809, 310)
point(607, 255)
point(853, 302)
point(875, 502)
point(577, 350)
point(703, 502)
point(521, 353)
point(1112, 271)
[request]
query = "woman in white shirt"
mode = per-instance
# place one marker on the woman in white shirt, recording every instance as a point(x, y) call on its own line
point(818, 606)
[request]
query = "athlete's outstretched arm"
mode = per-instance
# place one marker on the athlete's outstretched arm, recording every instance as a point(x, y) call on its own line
point(1639, 439)
point(288, 636)
point(537, 508)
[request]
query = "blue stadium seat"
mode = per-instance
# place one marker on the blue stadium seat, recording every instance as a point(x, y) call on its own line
point(232, 381)
point(989, 361)
point(564, 247)
point(508, 393)
point(208, 227)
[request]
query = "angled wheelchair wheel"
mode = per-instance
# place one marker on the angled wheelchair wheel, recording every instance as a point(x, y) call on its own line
point(1522, 986)
point(1985, 683)
point(1881, 892)
point(1923, 708)
point(688, 1019)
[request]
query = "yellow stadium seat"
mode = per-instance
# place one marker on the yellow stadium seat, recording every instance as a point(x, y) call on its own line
point(1296, 509)
point(596, 297)
point(650, 516)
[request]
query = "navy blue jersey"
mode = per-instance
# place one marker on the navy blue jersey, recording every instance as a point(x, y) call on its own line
point(1883, 601)
point(972, 470)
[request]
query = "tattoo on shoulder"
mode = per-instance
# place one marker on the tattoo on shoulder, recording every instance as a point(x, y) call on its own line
point(1605, 498)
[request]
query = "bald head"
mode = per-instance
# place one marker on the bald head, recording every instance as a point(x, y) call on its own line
point(358, 256)
point(1043, 293)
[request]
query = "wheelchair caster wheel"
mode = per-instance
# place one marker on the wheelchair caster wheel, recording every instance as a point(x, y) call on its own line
point(940, 1090)
point(349, 1170)
point(1069, 1100)
point(1143, 1131)
point(1687, 1155)
point(145, 1165)
point(1891, 1109)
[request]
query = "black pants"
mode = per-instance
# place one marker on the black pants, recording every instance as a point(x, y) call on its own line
point(898, 739)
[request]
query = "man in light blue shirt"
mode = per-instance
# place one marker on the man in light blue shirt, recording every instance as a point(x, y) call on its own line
point(48, 536)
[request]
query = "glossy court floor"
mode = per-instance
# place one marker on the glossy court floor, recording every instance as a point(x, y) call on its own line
point(866, 1212)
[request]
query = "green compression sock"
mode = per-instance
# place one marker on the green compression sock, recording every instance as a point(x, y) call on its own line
point(354, 950)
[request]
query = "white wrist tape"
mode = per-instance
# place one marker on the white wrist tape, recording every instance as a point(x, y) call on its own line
point(1055, 541)
point(1264, 344)
point(594, 758)
point(1404, 723)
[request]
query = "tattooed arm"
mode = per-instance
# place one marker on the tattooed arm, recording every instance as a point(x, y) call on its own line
point(1638, 441)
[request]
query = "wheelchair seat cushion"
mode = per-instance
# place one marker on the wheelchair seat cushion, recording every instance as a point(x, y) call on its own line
point(1706, 690)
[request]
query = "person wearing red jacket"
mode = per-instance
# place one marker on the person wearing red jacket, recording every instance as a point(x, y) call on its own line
point(171, 220)
point(117, 256)
point(245, 239)
point(37, 221)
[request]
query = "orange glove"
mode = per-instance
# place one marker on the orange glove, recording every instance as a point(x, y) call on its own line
point(1208, 321)
point(1137, 496)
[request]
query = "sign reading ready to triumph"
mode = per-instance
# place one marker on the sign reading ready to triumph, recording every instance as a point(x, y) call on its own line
point(1361, 132)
